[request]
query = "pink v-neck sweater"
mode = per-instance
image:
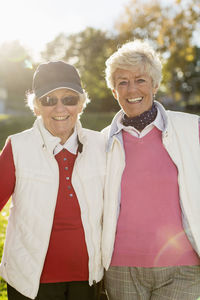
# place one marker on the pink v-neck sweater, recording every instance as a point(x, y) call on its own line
point(149, 231)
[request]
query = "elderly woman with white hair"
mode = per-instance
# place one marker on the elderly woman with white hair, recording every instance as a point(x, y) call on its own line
point(151, 231)
point(55, 174)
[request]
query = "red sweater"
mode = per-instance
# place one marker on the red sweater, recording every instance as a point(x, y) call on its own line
point(67, 257)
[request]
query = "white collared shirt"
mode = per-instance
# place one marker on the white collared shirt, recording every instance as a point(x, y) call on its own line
point(71, 144)
point(158, 122)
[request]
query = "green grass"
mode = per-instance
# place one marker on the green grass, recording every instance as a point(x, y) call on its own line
point(3, 117)
point(3, 223)
point(10, 124)
point(96, 121)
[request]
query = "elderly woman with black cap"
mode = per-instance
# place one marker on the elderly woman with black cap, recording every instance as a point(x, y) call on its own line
point(151, 232)
point(55, 174)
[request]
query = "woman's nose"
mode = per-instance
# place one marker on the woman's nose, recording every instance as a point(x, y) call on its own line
point(132, 86)
point(59, 105)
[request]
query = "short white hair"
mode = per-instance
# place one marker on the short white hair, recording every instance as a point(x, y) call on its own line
point(135, 54)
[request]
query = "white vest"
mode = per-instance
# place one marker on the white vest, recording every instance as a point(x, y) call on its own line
point(34, 199)
point(181, 140)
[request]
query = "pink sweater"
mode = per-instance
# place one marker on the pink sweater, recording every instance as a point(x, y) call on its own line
point(149, 231)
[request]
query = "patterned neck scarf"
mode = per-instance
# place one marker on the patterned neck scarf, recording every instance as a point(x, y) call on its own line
point(141, 121)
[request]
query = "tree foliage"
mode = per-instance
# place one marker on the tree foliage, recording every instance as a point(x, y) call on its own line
point(56, 48)
point(171, 29)
point(15, 73)
point(88, 51)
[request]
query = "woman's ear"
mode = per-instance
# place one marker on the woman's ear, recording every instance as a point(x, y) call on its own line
point(36, 108)
point(114, 94)
point(37, 111)
point(155, 89)
point(80, 110)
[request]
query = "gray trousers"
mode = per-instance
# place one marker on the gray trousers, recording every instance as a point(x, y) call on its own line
point(159, 283)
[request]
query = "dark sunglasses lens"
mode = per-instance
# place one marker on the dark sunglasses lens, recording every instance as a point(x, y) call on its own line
point(70, 100)
point(48, 101)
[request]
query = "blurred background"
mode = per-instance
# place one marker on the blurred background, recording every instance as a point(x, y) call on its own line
point(85, 33)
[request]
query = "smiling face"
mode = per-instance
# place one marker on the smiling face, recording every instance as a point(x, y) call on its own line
point(60, 119)
point(134, 91)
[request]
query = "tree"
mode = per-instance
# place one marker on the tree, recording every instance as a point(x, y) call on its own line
point(88, 51)
point(15, 73)
point(171, 29)
point(56, 48)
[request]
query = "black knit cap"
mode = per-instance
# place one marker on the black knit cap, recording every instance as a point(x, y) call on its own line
point(55, 75)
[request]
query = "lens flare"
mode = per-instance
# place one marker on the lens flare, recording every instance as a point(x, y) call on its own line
point(174, 242)
point(28, 64)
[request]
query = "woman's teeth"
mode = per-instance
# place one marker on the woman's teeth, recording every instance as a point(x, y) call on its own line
point(134, 100)
point(60, 118)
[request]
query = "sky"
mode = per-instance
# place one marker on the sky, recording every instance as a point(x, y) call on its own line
point(36, 22)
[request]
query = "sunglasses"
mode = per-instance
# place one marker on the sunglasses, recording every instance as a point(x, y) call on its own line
point(51, 101)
